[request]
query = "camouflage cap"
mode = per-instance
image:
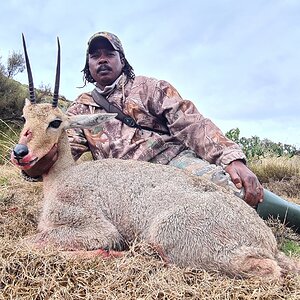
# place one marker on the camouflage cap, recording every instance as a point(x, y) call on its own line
point(111, 38)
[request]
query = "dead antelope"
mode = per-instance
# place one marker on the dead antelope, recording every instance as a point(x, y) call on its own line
point(109, 203)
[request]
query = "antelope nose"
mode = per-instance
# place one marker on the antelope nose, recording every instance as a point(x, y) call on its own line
point(20, 151)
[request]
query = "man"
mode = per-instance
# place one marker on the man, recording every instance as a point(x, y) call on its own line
point(170, 129)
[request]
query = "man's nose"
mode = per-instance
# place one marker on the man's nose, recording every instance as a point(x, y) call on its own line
point(102, 59)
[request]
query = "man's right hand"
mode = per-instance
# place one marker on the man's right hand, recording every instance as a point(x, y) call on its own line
point(44, 164)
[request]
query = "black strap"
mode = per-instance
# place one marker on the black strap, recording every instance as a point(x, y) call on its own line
point(129, 121)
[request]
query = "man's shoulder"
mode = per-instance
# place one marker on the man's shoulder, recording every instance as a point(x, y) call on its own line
point(141, 80)
point(144, 79)
point(85, 98)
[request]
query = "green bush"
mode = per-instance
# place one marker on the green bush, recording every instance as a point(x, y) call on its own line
point(12, 95)
point(255, 148)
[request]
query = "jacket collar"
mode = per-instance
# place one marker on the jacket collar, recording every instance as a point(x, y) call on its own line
point(109, 88)
point(115, 94)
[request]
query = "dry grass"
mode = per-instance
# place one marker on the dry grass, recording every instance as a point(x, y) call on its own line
point(140, 274)
point(280, 175)
point(9, 134)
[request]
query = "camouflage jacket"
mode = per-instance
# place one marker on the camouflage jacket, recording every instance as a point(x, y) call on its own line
point(155, 104)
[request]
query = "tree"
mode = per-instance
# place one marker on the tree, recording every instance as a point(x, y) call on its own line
point(255, 148)
point(15, 64)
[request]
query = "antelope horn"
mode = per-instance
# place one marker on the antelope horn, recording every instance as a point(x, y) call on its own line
point(57, 77)
point(30, 79)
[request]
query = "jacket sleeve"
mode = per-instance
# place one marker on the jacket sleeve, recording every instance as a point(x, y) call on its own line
point(76, 136)
point(192, 128)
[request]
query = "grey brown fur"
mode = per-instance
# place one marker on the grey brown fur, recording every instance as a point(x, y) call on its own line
point(193, 222)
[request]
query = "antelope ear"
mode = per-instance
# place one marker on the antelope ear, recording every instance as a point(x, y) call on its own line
point(89, 121)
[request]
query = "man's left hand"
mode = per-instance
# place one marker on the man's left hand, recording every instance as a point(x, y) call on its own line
point(242, 176)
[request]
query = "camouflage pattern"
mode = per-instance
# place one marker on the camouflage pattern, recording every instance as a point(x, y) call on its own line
point(188, 161)
point(155, 104)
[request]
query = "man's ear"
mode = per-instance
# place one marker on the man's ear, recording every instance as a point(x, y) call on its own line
point(122, 58)
point(89, 121)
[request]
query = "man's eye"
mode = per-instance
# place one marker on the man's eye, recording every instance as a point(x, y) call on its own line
point(55, 123)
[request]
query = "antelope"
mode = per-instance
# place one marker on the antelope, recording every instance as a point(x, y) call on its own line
point(99, 207)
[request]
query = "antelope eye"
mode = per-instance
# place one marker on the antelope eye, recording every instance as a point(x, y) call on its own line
point(55, 123)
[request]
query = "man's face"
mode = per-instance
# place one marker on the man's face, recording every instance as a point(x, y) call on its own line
point(105, 63)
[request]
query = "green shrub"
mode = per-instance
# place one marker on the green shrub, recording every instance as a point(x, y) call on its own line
point(255, 148)
point(12, 95)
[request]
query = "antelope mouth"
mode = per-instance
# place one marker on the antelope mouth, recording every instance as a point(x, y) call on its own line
point(29, 163)
point(23, 163)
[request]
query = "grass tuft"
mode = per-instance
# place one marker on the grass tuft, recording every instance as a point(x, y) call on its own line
point(9, 134)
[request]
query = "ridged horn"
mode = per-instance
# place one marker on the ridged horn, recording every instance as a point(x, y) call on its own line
point(30, 79)
point(57, 77)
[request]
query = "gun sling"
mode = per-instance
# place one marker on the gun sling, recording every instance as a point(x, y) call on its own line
point(129, 121)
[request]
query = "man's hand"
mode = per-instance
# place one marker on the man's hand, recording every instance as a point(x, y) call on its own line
point(44, 164)
point(241, 176)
